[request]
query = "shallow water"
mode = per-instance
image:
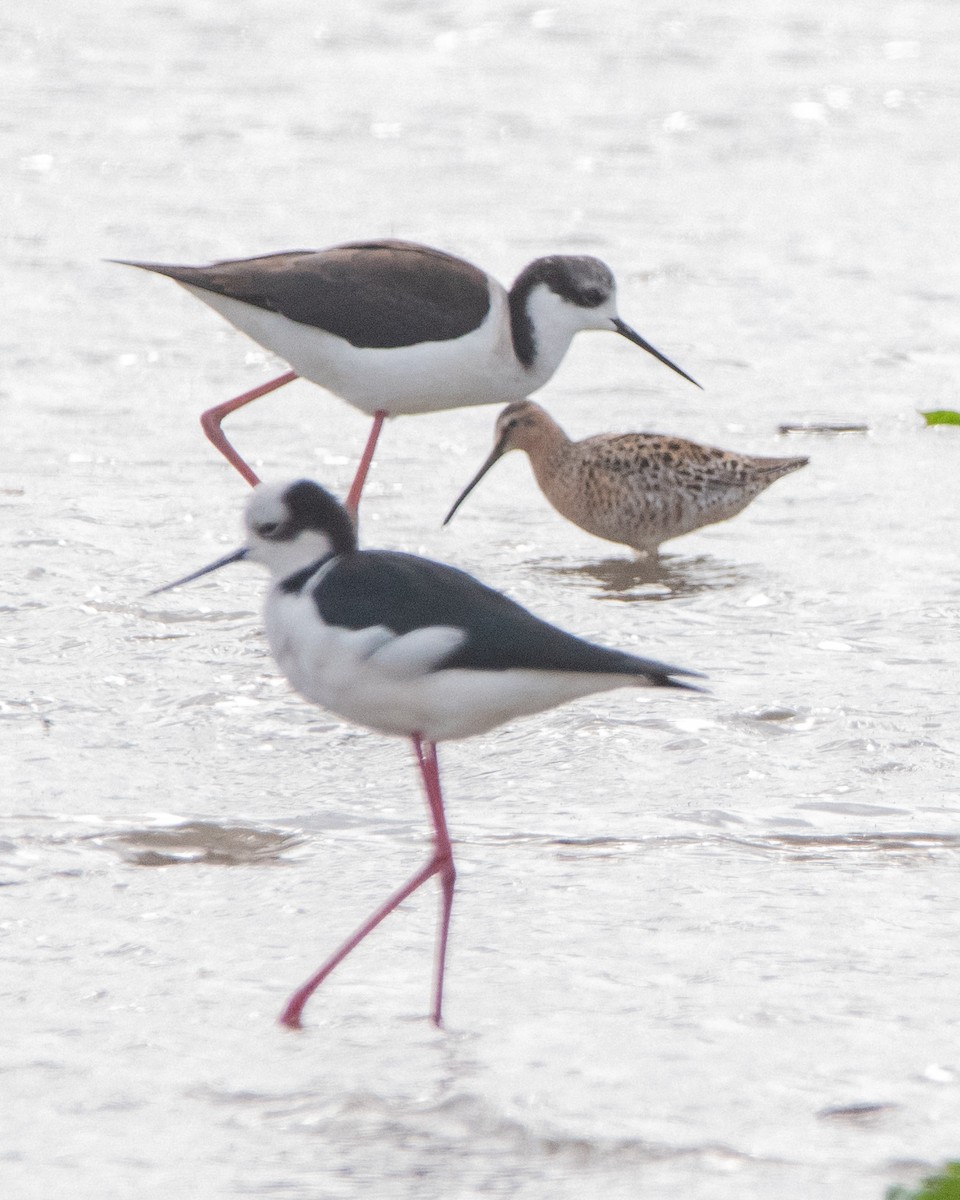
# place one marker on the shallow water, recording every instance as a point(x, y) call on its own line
point(702, 945)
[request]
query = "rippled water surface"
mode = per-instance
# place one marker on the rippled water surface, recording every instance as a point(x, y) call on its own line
point(703, 946)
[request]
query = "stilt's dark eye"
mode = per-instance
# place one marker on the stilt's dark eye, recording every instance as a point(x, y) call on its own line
point(269, 529)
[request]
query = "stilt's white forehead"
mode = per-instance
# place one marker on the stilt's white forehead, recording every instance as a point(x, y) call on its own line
point(267, 505)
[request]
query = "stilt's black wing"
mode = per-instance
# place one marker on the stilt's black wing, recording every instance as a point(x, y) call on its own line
point(377, 295)
point(403, 592)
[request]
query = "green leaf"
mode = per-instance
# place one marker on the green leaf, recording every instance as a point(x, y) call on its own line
point(945, 1186)
point(941, 416)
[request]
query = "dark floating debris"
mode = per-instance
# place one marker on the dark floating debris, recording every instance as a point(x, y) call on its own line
point(858, 1114)
point(824, 427)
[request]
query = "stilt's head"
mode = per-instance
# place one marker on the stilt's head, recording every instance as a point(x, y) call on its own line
point(290, 526)
point(564, 293)
point(585, 285)
point(522, 425)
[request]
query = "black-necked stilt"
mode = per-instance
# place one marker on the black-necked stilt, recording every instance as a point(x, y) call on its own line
point(638, 489)
point(394, 327)
point(409, 647)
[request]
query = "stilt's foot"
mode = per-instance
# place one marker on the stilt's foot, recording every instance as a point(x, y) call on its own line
point(290, 1017)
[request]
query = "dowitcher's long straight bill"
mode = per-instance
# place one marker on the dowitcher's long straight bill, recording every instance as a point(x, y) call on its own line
point(234, 556)
point(632, 336)
point(497, 452)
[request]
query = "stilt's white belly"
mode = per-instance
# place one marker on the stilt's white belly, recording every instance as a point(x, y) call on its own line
point(479, 368)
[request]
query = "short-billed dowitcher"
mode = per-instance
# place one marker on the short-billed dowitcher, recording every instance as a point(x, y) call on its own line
point(395, 327)
point(638, 489)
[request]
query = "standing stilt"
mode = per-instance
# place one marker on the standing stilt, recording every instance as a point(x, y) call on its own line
point(411, 648)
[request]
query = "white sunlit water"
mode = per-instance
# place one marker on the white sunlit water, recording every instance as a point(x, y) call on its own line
point(702, 945)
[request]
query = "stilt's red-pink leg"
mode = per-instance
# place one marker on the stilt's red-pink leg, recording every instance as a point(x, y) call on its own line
point(443, 854)
point(352, 502)
point(211, 419)
point(441, 862)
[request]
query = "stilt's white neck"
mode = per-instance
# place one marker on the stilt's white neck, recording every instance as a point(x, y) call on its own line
point(552, 322)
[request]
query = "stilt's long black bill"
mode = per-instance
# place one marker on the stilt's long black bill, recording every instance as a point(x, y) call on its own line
point(632, 336)
point(495, 453)
point(236, 556)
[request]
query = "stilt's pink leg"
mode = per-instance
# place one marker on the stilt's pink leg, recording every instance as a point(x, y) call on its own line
point(441, 862)
point(352, 502)
point(443, 854)
point(211, 419)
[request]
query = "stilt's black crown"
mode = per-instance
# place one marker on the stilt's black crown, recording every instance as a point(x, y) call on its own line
point(309, 506)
